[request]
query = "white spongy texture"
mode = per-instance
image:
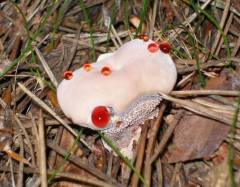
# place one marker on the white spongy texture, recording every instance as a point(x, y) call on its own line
point(135, 71)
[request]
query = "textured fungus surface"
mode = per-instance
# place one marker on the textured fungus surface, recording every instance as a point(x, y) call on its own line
point(121, 87)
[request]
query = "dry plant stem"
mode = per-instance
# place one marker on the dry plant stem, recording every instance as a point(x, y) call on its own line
point(210, 63)
point(50, 111)
point(109, 165)
point(228, 24)
point(185, 79)
point(176, 12)
point(213, 106)
point(199, 109)
point(114, 41)
point(204, 66)
point(73, 51)
point(151, 144)
point(166, 136)
point(79, 178)
point(84, 179)
point(140, 156)
point(98, 38)
point(159, 170)
point(221, 25)
point(20, 174)
point(175, 172)
point(116, 35)
point(34, 12)
point(236, 48)
point(12, 172)
point(188, 21)
point(27, 138)
point(16, 45)
point(221, 4)
point(46, 67)
point(152, 23)
point(185, 93)
point(77, 161)
point(34, 131)
point(53, 155)
point(2, 103)
point(42, 146)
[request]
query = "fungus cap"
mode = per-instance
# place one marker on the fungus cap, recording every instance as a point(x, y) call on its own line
point(135, 71)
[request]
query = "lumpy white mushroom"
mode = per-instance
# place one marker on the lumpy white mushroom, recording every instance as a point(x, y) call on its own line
point(105, 95)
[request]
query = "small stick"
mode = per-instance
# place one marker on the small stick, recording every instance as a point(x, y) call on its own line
point(155, 5)
point(184, 93)
point(72, 176)
point(166, 136)
point(81, 163)
point(222, 23)
point(188, 21)
point(116, 35)
point(42, 147)
point(174, 176)
point(151, 144)
point(140, 156)
point(159, 171)
point(21, 164)
point(228, 24)
point(236, 48)
point(199, 109)
point(73, 51)
point(27, 139)
point(46, 67)
point(16, 46)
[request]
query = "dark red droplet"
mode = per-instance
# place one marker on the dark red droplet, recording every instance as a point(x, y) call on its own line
point(68, 75)
point(165, 47)
point(152, 47)
point(100, 116)
point(106, 71)
point(143, 37)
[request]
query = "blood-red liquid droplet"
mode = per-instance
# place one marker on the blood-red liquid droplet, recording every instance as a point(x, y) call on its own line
point(106, 71)
point(100, 116)
point(68, 75)
point(143, 37)
point(165, 47)
point(87, 67)
point(153, 47)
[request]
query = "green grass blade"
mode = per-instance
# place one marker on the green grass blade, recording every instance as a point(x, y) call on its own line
point(88, 21)
point(197, 8)
point(143, 13)
point(28, 47)
point(66, 156)
point(195, 56)
point(58, 20)
point(25, 23)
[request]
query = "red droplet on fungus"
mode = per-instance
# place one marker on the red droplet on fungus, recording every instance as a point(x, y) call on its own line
point(100, 116)
point(106, 71)
point(87, 67)
point(153, 47)
point(67, 75)
point(165, 47)
point(143, 37)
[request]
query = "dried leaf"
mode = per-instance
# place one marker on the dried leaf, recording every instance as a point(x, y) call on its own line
point(53, 98)
point(7, 96)
point(195, 137)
